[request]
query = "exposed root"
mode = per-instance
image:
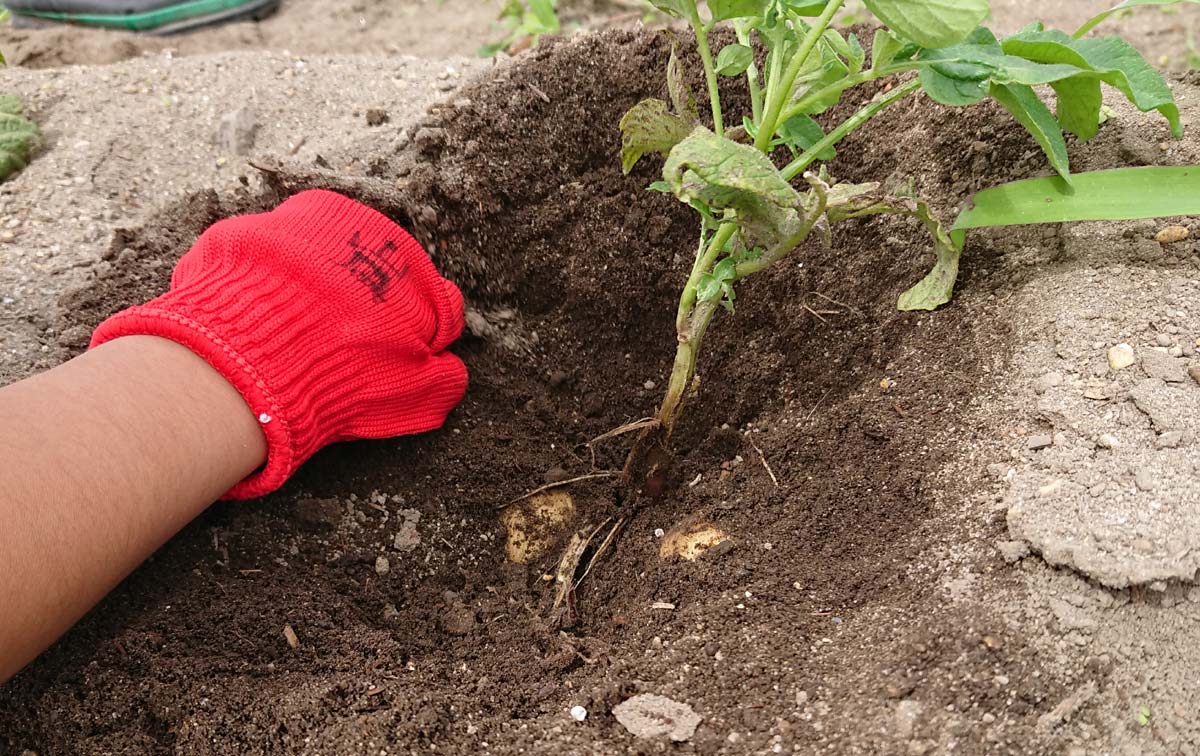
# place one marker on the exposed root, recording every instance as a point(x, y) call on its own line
point(645, 422)
point(563, 612)
point(560, 484)
point(598, 554)
point(576, 560)
point(763, 457)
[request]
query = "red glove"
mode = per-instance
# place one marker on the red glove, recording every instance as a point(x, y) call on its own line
point(328, 318)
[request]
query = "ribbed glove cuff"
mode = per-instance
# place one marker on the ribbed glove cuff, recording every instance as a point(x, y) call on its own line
point(325, 316)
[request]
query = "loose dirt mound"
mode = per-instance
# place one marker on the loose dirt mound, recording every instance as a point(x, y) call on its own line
point(822, 627)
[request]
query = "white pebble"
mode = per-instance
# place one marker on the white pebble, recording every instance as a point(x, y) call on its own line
point(578, 713)
point(1121, 356)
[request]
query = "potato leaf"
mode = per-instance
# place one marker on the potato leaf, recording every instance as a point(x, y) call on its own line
point(649, 127)
point(960, 72)
point(801, 132)
point(936, 288)
point(930, 23)
point(804, 7)
point(17, 136)
point(1024, 105)
point(1109, 59)
point(884, 49)
point(725, 175)
point(734, 59)
point(677, 8)
point(723, 10)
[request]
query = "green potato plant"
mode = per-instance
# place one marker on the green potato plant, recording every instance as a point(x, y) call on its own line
point(751, 215)
point(523, 20)
point(18, 135)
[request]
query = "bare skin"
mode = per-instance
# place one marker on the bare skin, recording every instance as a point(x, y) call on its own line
point(102, 460)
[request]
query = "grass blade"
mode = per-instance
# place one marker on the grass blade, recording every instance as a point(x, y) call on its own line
point(1118, 194)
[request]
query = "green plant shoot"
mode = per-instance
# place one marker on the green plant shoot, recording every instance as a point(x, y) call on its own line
point(752, 215)
point(523, 20)
point(18, 136)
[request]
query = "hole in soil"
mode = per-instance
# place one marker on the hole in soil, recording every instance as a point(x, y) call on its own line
point(571, 273)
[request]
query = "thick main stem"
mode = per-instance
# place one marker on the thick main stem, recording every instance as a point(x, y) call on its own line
point(685, 365)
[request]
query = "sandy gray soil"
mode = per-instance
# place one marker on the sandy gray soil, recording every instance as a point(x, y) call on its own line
point(1099, 565)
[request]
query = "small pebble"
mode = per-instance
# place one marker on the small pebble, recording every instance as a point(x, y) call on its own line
point(1144, 480)
point(1169, 440)
point(1121, 356)
point(382, 565)
point(1047, 382)
point(1108, 441)
point(648, 385)
point(578, 713)
point(1194, 372)
point(1040, 441)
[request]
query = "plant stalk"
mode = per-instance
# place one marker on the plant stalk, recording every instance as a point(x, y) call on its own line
point(710, 72)
point(756, 95)
point(705, 262)
point(685, 365)
point(783, 90)
point(868, 112)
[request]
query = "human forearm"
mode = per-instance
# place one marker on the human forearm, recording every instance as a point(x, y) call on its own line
point(116, 451)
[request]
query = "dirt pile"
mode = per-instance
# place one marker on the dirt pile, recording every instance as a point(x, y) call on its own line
point(826, 627)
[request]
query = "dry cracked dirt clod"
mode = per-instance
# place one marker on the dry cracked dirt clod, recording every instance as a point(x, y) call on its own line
point(649, 715)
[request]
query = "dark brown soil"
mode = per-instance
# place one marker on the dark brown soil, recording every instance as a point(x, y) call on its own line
point(806, 635)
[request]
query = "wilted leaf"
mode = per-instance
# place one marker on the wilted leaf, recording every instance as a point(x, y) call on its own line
point(930, 23)
point(935, 289)
point(681, 96)
point(649, 127)
point(17, 136)
point(734, 59)
point(725, 175)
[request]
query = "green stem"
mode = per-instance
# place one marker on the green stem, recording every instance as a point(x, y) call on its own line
point(703, 265)
point(798, 165)
point(814, 213)
point(781, 91)
point(756, 95)
point(710, 72)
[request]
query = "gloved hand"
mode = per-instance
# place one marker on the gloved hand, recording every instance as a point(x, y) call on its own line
point(328, 318)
